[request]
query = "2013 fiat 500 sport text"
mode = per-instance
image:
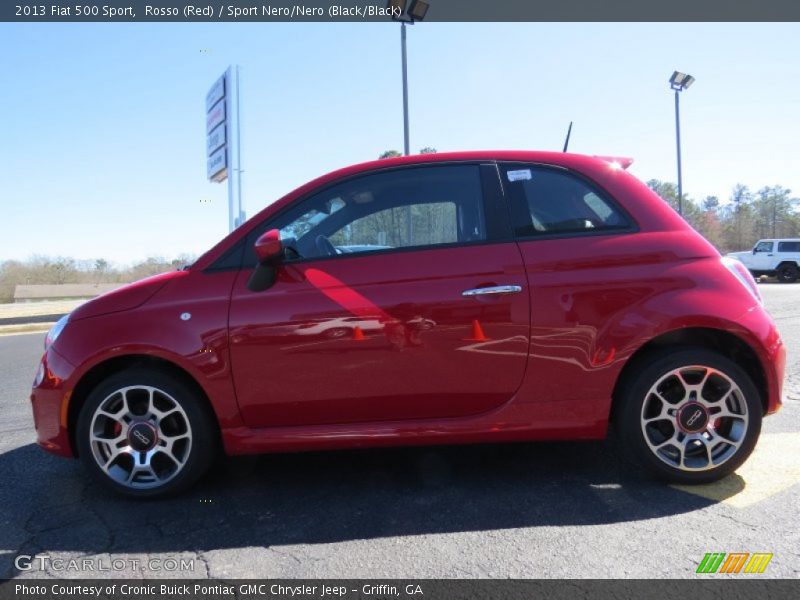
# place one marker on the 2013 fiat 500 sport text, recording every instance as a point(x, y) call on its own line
point(448, 298)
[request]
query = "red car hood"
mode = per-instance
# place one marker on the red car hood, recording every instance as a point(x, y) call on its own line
point(125, 298)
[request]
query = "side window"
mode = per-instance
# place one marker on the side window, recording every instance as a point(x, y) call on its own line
point(763, 247)
point(549, 201)
point(401, 226)
point(788, 246)
point(403, 208)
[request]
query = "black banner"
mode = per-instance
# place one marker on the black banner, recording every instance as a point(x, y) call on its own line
point(743, 588)
point(377, 10)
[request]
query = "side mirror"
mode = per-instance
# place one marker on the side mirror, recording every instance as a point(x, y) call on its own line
point(269, 249)
point(754, 250)
point(268, 246)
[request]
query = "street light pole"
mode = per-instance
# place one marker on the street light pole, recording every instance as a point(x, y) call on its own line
point(679, 82)
point(678, 140)
point(407, 13)
point(406, 144)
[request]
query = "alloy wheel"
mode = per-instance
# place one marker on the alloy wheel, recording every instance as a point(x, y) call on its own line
point(694, 418)
point(140, 437)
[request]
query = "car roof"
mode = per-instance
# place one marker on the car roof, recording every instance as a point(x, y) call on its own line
point(537, 156)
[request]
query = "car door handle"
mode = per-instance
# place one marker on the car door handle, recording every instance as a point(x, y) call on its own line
point(497, 289)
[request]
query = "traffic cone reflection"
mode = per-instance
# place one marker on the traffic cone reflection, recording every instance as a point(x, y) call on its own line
point(477, 333)
point(358, 335)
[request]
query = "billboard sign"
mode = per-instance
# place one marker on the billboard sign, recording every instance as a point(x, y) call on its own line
point(218, 165)
point(215, 139)
point(216, 93)
point(216, 129)
point(215, 116)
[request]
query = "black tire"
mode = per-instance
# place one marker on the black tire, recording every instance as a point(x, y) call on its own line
point(636, 392)
point(196, 454)
point(788, 273)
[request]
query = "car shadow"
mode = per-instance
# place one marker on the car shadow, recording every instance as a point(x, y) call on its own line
point(312, 498)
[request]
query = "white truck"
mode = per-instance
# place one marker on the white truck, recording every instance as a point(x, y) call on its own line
point(778, 258)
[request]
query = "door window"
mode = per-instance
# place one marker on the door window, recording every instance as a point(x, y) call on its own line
point(763, 247)
point(550, 201)
point(403, 208)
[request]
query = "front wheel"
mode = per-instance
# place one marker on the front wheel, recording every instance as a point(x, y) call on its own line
point(145, 434)
point(788, 273)
point(689, 416)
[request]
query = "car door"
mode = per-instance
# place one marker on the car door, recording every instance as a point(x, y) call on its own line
point(763, 257)
point(583, 272)
point(403, 297)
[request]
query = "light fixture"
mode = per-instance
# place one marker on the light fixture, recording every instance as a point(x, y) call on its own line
point(418, 9)
point(680, 81)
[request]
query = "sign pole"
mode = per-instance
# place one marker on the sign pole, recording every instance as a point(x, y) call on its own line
point(233, 218)
point(223, 141)
point(240, 209)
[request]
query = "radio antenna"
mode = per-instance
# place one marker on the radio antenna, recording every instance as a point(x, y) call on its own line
point(566, 142)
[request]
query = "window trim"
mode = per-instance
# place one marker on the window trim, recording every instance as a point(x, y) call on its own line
point(600, 191)
point(494, 234)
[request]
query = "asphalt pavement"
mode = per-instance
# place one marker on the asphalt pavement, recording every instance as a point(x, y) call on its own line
point(512, 510)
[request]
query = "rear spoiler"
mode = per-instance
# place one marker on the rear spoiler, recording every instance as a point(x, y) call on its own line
point(620, 161)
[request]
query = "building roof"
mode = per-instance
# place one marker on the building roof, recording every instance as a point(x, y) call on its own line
point(63, 290)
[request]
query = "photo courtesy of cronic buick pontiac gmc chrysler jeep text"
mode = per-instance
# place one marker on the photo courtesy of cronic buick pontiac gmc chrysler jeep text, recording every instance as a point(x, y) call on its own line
point(445, 298)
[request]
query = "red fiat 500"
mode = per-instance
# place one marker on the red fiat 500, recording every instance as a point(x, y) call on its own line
point(447, 298)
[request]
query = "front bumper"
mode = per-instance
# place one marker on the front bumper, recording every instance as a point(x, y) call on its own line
point(50, 402)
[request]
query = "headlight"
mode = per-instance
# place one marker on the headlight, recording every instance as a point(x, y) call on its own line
point(744, 276)
point(55, 331)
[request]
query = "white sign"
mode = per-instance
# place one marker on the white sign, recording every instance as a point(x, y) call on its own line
point(215, 139)
point(215, 116)
point(520, 175)
point(217, 165)
point(216, 93)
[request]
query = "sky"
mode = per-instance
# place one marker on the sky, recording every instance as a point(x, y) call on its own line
point(103, 126)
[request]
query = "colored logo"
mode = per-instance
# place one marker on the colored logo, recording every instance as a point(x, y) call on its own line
point(734, 562)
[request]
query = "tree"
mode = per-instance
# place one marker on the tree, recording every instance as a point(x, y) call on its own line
point(427, 150)
point(774, 212)
point(389, 154)
point(711, 203)
point(737, 219)
point(101, 267)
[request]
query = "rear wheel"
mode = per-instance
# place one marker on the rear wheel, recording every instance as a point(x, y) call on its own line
point(690, 416)
point(146, 434)
point(788, 273)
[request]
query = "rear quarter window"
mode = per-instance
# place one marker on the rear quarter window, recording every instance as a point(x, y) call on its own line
point(552, 201)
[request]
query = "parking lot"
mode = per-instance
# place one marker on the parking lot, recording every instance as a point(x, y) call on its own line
point(515, 510)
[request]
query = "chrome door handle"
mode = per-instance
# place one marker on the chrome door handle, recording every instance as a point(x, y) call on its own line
point(497, 289)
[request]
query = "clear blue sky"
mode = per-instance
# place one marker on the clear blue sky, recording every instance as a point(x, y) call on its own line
point(103, 125)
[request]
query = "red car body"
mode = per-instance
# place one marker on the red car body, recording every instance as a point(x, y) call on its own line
point(538, 365)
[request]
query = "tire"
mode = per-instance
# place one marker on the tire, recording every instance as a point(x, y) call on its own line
point(788, 273)
point(146, 434)
point(688, 416)
point(338, 333)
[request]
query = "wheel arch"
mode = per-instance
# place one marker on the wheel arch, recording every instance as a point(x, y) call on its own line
point(788, 263)
point(101, 371)
point(723, 342)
